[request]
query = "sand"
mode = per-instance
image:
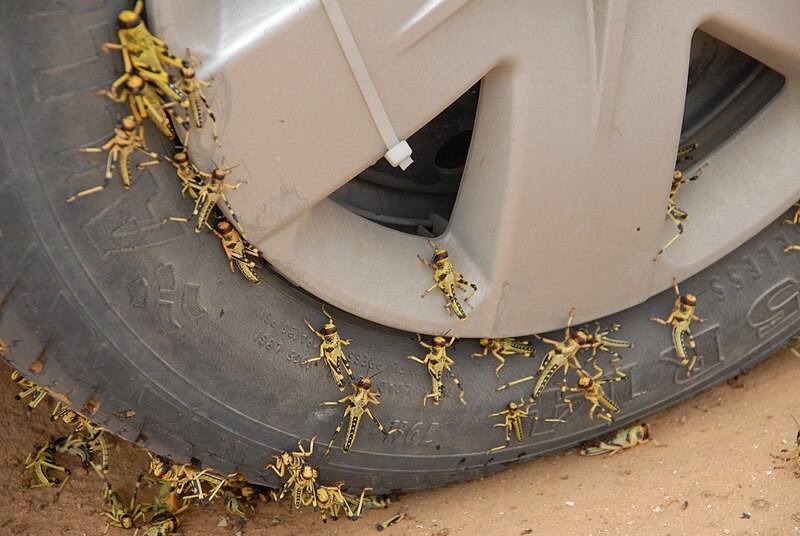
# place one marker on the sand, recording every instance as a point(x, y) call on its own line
point(710, 469)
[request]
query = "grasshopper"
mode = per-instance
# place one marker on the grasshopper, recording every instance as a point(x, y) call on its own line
point(563, 355)
point(145, 55)
point(437, 362)
point(28, 389)
point(208, 195)
point(599, 340)
point(192, 87)
point(237, 250)
point(302, 484)
point(512, 422)
point(681, 319)
point(624, 438)
point(331, 500)
point(118, 514)
point(357, 407)
point(143, 101)
point(503, 347)
point(330, 349)
point(446, 279)
point(674, 214)
point(128, 137)
point(162, 525)
point(187, 172)
point(590, 386)
point(42, 462)
point(290, 462)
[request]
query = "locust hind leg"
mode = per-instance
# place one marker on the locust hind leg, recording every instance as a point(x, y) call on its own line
point(458, 384)
point(110, 163)
point(336, 372)
point(335, 433)
point(464, 283)
point(680, 347)
point(695, 356)
point(674, 238)
point(211, 116)
point(454, 306)
point(346, 365)
point(246, 268)
point(502, 363)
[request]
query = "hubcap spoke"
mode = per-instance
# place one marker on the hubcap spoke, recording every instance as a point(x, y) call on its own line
point(563, 198)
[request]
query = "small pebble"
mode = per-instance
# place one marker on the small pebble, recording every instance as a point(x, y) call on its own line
point(726, 531)
point(222, 522)
point(656, 509)
point(570, 503)
point(746, 515)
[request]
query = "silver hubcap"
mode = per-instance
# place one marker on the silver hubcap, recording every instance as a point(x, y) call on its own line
point(563, 196)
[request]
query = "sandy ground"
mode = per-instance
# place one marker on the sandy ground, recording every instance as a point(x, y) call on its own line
point(710, 470)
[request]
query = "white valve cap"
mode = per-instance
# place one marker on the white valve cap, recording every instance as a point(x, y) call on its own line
point(399, 155)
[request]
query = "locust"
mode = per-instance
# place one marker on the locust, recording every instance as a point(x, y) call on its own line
point(330, 349)
point(503, 347)
point(119, 514)
point(128, 137)
point(447, 279)
point(290, 462)
point(512, 422)
point(144, 101)
point(29, 388)
point(357, 407)
point(600, 340)
point(237, 250)
point(192, 87)
point(43, 461)
point(563, 355)
point(208, 195)
point(680, 319)
point(182, 475)
point(674, 214)
point(145, 55)
point(624, 438)
point(187, 172)
point(302, 483)
point(590, 387)
point(437, 362)
point(331, 500)
point(162, 525)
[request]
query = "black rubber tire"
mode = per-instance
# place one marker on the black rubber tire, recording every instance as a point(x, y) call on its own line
point(135, 315)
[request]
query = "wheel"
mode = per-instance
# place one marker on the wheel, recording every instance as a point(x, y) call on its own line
point(121, 312)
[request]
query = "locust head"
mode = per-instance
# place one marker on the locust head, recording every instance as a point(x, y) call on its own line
point(128, 19)
point(128, 123)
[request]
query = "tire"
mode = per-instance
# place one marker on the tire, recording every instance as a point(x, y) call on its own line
point(131, 314)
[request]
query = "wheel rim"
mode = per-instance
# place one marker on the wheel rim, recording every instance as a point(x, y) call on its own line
point(539, 224)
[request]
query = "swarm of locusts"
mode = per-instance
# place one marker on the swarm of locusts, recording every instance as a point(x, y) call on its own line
point(172, 488)
point(158, 87)
point(161, 88)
